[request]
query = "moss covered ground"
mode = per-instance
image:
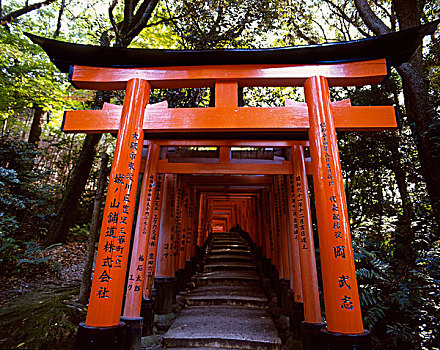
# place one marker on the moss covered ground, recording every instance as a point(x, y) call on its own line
point(46, 318)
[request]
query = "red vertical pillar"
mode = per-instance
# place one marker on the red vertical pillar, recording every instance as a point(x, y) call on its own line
point(312, 308)
point(294, 247)
point(136, 275)
point(154, 238)
point(150, 257)
point(103, 324)
point(164, 280)
point(342, 306)
point(111, 262)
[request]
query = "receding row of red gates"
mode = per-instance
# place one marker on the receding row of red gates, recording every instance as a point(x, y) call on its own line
point(175, 215)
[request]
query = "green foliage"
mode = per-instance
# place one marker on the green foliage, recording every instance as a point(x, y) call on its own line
point(26, 200)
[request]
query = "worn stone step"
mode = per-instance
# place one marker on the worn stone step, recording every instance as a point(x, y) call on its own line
point(228, 278)
point(227, 295)
point(198, 348)
point(229, 251)
point(227, 241)
point(228, 245)
point(232, 235)
point(230, 266)
point(221, 258)
point(223, 326)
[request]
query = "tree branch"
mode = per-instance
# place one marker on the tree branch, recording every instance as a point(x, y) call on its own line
point(60, 16)
point(370, 19)
point(112, 18)
point(340, 12)
point(28, 8)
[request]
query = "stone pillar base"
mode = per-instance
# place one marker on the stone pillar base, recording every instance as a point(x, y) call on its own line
point(92, 338)
point(341, 341)
point(311, 335)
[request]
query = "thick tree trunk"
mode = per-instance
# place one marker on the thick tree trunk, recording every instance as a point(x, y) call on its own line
point(69, 203)
point(37, 122)
point(419, 111)
point(86, 282)
point(77, 182)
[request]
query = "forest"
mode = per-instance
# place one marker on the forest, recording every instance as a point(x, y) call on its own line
point(48, 179)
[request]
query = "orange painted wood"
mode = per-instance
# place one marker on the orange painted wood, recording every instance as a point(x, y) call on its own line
point(339, 74)
point(177, 221)
point(114, 242)
point(231, 143)
point(136, 274)
point(154, 238)
point(294, 247)
point(201, 221)
point(342, 306)
point(276, 251)
point(165, 242)
point(228, 180)
point(226, 94)
point(165, 167)
point(268, 243)
point(225, 155)
point(239, 119)
point(283, 245)
point(306, 246)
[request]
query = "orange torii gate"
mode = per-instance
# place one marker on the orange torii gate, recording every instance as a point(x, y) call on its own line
point(289, 245)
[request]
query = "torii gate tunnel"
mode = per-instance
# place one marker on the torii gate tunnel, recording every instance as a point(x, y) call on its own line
point(186, 194)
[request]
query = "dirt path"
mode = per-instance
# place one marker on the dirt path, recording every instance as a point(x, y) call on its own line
point(64, 268)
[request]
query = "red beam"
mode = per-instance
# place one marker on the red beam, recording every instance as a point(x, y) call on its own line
point(338, 74)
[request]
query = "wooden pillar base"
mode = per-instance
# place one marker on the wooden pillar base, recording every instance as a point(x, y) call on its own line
point(284, 296)
point(133, 332)
point(165, 293)
point(194, 262)
point(311, 335)
point(296, 317)
point(340, 341)
point(258, 253)
point(147, 313)
point(267, 267)
point(274, 277)
point(180, 277)
point(92, 338)
point(188, 271)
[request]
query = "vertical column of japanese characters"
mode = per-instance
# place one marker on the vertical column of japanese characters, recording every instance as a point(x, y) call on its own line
point(114, 243)
point(343, 313)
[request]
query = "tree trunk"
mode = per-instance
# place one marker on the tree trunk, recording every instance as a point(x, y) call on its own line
point(420, 112)
point(37, 122)
point(69, 203)
point(86, 282)
point(77, 182)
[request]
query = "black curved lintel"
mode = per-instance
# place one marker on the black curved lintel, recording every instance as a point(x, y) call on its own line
point(396, 47)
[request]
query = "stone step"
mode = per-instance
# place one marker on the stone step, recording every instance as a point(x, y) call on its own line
point(222, 258)
point(227, 242)
point(227, 295)
point(198, 348)
point(230, 266)
point(229, 251)
point(223, 326)
point(228, 245)
point(228, 278)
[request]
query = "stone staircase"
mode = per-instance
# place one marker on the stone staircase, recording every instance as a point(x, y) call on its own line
point(228, 308)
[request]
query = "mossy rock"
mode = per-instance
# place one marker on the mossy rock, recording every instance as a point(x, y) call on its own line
point(42, 319)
